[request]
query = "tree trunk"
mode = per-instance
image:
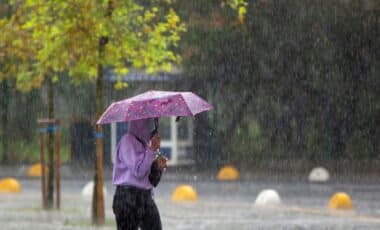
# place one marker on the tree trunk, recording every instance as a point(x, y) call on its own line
point(98, 215)
point(300, 116)
point(4, 120)
point(328, 127)
point(50, 147)
point(202, 141)
point(226, 135)
point(213, 159)
point(7, 12)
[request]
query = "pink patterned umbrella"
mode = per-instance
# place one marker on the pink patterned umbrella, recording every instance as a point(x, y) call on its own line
point(154, 104)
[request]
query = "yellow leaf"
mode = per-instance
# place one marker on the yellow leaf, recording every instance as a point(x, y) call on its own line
point(120, 85)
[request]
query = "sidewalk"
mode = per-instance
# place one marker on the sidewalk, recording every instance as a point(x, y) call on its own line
point(220, 205)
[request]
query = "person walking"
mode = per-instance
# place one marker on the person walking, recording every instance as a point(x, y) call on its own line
point(137, 170)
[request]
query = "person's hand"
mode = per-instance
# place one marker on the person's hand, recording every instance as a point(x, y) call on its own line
point(162, 162)
point(155, 143)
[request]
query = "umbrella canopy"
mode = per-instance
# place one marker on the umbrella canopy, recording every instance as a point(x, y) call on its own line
point(154, 104)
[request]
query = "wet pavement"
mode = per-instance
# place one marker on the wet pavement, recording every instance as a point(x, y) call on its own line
point(221, 205)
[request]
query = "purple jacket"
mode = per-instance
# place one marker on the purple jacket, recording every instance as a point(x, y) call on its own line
point(133, 159)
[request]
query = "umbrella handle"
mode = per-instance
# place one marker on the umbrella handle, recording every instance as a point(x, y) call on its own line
point(160, 156)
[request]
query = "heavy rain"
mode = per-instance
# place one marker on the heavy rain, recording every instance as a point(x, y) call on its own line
point(174, 114)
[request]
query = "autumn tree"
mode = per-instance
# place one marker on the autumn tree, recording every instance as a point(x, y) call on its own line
point(84, 38)
point(14, 53)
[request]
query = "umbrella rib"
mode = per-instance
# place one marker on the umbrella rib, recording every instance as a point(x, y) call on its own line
point(105, 112)
point(187, 105)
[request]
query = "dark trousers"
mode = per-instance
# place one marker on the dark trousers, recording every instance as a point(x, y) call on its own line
point(133, 208)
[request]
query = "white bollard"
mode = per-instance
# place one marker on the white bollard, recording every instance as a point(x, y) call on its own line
point(268, 197)
point(319, 174)
point(88, 190)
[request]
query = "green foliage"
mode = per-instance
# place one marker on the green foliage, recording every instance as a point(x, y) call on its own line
point(24, 151)
point(14, 50)
point(240, 6)
point(50, 39)
point(304, 72)
point(67, 36)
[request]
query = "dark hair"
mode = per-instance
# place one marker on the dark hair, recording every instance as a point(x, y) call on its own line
point(155, 130)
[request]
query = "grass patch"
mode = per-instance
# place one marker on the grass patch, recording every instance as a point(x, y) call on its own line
point(22, 151)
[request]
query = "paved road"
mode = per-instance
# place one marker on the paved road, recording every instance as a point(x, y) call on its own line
point(220, 206)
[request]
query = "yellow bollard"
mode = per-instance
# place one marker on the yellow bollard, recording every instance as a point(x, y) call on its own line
point(36, 170)
point(228, 173)
point(9, 185)
point(184, 193)
point(341, 201)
